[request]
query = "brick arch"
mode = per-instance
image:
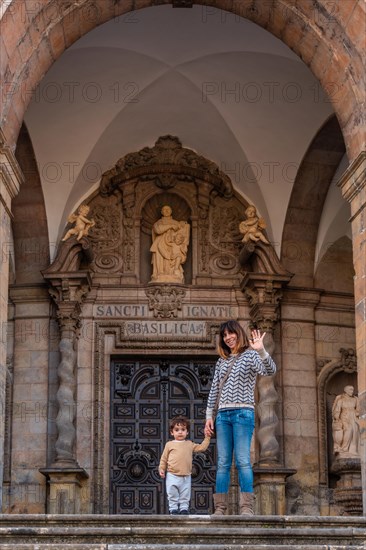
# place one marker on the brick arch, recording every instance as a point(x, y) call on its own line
point(325, 35)
point(305, 208)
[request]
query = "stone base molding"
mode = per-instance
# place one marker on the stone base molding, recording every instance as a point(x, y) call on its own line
point(64, 489)
point(270, 489)
point(348, 493)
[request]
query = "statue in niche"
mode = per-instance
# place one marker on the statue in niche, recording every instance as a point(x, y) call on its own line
point(345, 426)
point(82, 223)
point(169, 248)
point(253, 226)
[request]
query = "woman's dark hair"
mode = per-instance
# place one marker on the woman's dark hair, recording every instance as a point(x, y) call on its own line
point(234, 327)
point(179, 420)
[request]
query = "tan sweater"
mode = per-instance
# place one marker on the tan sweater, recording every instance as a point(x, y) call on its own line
point(177, 456)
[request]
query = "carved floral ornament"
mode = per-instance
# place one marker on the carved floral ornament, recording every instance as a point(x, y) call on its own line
point(165, 301)
point(347, 362)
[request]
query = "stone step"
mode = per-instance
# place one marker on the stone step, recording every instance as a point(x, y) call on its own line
point(107, 546)
point(104, 532)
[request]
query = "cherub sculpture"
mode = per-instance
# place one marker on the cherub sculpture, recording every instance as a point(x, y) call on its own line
point(82, 223)
point(252, 227)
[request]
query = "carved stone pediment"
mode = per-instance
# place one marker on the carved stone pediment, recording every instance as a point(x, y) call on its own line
point(166, 157)
point(129, 202)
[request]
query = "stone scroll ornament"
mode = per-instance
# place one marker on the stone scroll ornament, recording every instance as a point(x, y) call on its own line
point(169, 248)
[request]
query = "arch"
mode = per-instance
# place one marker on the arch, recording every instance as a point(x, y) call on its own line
point(335, 271)
point(306, 203)
point(324, 35)
point(29, 224)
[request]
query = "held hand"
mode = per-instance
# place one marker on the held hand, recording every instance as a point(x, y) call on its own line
point(209, 427)
point(256, 341)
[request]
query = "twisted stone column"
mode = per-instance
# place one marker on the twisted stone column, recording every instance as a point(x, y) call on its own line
point(264, 296)
point(268, 420)
point(66, 393)
point(68, 287)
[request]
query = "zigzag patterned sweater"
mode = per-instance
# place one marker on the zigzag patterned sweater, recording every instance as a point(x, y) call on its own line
point(238, 390)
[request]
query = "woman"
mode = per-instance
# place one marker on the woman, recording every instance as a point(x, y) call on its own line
point(234, 425)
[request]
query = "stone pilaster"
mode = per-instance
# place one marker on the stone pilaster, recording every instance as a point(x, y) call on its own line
point(299, 387)
point(353, 186)
point(29, 421)
point(11, 178)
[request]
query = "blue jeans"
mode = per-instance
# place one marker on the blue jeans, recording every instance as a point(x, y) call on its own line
point(234, 430)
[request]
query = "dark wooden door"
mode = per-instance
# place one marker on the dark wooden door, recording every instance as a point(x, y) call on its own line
point(145, 395)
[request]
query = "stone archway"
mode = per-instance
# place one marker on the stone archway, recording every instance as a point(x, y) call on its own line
point(325, 36)
point(307, 200)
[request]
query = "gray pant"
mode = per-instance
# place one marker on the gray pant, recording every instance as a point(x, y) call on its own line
point(178, 490)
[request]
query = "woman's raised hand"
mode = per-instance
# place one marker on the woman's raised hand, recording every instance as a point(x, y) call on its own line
point(256, 341)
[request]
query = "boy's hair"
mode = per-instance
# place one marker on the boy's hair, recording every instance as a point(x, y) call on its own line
point(234, 327)
point(179, 420)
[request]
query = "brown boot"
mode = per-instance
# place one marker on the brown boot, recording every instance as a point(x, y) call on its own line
point(220, 501)
point(246, 504)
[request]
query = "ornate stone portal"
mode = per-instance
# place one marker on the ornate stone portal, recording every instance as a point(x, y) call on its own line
point(136, 307)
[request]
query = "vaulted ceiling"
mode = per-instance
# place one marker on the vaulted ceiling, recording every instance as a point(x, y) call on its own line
point(226, 87)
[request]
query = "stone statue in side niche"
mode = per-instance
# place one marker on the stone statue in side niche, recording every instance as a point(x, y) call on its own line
point(253, 226)
point(82, 223)
point(169, 248)
point(346, 430)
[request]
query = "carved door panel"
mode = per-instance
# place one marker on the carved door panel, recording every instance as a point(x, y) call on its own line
point(145, 395)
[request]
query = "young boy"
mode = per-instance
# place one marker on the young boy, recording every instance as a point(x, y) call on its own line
point(176, 462)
